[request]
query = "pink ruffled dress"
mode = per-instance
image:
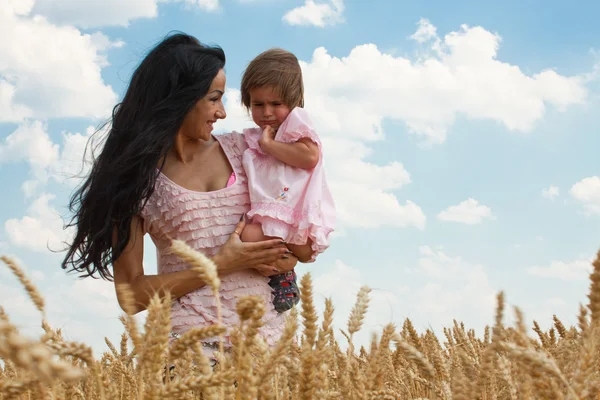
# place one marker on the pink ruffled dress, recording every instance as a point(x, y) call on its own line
point(205, 220)
point(291, 203)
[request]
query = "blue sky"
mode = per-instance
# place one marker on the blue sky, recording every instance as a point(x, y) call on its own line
point(461, 145)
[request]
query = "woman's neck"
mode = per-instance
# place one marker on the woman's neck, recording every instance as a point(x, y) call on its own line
point(186, 149)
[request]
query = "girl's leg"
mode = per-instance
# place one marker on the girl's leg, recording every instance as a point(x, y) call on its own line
point(285, 288)
point(303, 252)
point(254, 233)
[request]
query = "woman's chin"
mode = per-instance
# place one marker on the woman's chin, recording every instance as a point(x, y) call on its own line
point(205, 135)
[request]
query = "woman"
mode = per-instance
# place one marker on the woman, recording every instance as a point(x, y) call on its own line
point(162, 172)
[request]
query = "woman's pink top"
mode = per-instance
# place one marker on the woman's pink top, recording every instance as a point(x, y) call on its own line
point(205, 220)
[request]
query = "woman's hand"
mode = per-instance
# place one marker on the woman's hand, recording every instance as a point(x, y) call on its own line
point(279, 267)
point(263, 256)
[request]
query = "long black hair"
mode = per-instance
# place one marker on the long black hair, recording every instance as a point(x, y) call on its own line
point(166, 85)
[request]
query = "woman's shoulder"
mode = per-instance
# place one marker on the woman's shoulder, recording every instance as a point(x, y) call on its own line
point(229, 136)
point(240, 141)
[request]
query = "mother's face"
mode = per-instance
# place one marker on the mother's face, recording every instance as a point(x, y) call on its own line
point(198, 123)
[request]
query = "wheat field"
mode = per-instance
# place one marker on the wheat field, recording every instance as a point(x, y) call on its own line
point(308, 362)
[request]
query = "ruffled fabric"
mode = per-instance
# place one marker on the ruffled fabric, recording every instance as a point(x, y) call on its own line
point(291, 203)
point(205, 220)
point(200, 308)
point(252, 136)
point(296, 126)
point(296, 234)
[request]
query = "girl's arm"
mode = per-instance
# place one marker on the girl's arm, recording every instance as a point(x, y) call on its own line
point(233, 256)
point(301, 154)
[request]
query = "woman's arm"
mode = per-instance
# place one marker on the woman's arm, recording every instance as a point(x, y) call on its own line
point(128, 268)
point(233, 256)
point(301, 154)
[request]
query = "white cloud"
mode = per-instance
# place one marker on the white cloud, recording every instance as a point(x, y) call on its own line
point(205, 5)
point(441, 288)
point(93, 14)
point(564, 270)
point(41, 229)
point(425, 32)
point(341, 283)
point(468, 212)
point(551, 192)
point(9, 111)
point(38, 276)
point(348, 99)
point(237, 117)
point(359, 207)
point(453, 287)
point(587, 192)
point(31, 143)
point(76, 153)
point(87, 310)
point(362, 190)
point(87, 321)
point(458, 75)
point(556, 302)
point(48, 70)
point(316, 14)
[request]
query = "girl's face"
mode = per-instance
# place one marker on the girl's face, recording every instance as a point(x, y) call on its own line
point(267, 108)
point(198, 123)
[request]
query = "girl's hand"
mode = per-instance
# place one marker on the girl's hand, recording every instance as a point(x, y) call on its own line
point(263, 256)
point(267, 136)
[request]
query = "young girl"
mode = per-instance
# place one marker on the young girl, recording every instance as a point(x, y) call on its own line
point(289, 196)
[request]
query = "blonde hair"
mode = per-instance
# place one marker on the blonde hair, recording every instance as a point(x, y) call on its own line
point(278, 68)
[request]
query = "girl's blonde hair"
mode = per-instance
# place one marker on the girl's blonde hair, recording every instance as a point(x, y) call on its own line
point(278, 68)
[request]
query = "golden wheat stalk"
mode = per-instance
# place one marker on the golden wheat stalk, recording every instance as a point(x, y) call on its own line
point(206, 270)
point(505, 364)
point(34, 356)
point(32, 291)
point(357, 315)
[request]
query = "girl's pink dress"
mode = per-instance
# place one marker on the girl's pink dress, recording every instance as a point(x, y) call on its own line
point(205, 220)
point(292, 203)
